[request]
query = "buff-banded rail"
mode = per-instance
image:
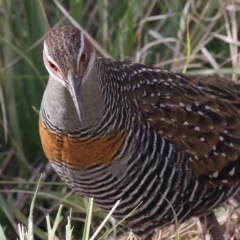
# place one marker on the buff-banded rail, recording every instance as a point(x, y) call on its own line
point(123, 130)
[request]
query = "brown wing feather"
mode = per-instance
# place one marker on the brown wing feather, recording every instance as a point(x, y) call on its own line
point(199, 115)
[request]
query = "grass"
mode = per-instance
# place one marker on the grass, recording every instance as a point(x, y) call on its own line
point(154, 32)
point(28, 233)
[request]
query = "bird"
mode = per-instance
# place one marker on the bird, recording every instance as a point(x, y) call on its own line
point(161, 140)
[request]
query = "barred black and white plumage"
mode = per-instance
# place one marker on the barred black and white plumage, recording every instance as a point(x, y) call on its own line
point(168, 140)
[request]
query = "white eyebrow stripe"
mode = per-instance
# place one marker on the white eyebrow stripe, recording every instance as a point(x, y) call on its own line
point(49, 70)
point(50, 58)
point(80, 50)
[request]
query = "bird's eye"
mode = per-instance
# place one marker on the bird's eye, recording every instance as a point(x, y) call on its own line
point(52, 66)
point(83, 57)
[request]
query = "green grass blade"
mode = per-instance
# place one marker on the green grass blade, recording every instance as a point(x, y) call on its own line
point(49, 227)
point(69, 230)
point(24, 56)
point(23, 219)
point(2, 235)
point(87, 224)
point(36, 110)
point(58, 219)
point(188, 47)
point(30, 218)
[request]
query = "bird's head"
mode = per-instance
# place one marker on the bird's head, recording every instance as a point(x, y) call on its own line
point(69, 57)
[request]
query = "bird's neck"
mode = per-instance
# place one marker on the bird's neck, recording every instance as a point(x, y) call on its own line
point(58, 108)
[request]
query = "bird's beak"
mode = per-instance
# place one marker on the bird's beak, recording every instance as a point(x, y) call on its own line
point(74, 87)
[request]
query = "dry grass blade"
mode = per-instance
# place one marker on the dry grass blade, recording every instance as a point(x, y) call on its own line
point(105, 220)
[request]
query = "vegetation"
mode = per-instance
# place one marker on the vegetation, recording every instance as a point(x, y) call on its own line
point(152, 32)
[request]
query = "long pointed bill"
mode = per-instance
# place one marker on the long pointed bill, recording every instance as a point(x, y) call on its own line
point(74, 87)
